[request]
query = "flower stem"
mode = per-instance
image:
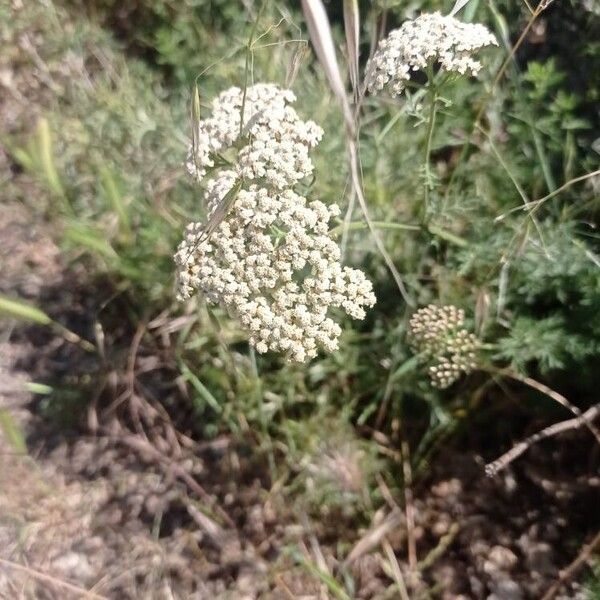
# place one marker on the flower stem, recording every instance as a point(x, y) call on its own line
point(357, 225)
point(427, 154)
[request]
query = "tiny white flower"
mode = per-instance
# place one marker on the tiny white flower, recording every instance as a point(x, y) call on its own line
point(430, 38)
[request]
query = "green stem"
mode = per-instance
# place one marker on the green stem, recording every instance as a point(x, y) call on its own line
point(260, 404)
point(432, 229)
point(249, 51)
point(357, 225)
point(427, 153)
point(448, 236)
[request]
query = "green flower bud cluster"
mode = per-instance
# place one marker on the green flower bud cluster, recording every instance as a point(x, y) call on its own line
point(437, 333)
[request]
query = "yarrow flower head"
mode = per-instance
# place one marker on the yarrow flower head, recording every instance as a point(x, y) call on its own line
point(271, 261)
point(438, 335)
point(431, 39)
point(259, 133)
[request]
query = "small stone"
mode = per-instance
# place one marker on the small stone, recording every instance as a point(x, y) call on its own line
point(450, 487)
point(73, 565)
point(505, 589)
point(540, 558)
point(499, 559)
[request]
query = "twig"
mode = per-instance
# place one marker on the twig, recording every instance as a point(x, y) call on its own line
point(48, 578)
point(129, 392)
point(207, 525)
point(547, 391)
point(279, 582)
point(142, 446)
point(374, 536)
point(567, 573)
point(535, 204)
point(385, 492)
point(500, 463)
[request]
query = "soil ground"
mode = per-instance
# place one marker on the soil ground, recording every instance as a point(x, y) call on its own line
point(104, 513)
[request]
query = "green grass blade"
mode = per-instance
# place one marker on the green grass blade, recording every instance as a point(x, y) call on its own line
point(38, 388)
point(23, 157)
point(200, 388)
point(332, 585)
point(446, 235)
point(44, 140)
point(12, 432)
point(23, 311)
point(91, 240)
point(112, 193)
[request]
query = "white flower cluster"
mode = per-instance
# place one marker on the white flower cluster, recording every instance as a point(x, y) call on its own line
point(437, 333)
point(271, 261)
point(272, 143)
point(427, 40)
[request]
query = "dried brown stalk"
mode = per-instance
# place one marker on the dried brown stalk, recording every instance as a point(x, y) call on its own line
point(142, 446)
point(584, 419)
point(50, 579)
point(547, 391)
point(373, 537)
point(570, 571)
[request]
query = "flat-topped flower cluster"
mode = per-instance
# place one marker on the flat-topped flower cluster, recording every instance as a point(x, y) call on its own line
point(431, 39)
point(271, 262)
point(270, 140)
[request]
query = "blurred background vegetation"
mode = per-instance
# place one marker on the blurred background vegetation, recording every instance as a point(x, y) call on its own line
point(96, 148)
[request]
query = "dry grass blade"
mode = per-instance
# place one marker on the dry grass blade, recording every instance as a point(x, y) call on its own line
point(51, 580)
point(535, 204)
point(357, 185)
point(352, 31)
point(195, 115)
point(206, 524)
point(218, 214)
point(320, 35)
point(329, 584)
point(299, 55)
point(222, 210)
point(373, 537)
point(396, 571)
point(409, 507)
point(458, 5)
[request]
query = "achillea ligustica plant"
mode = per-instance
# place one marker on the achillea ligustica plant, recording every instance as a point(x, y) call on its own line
point(428, 40)
point(438, 335)
point(270, 261)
